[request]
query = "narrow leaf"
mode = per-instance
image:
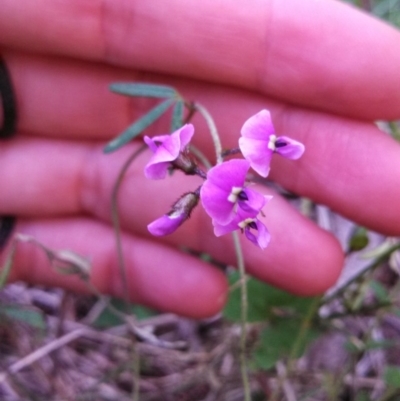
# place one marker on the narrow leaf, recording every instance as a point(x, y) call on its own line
point(138, 126)
point(143, 90)
point(26, 315)
point(177, 116)
point(5, 270)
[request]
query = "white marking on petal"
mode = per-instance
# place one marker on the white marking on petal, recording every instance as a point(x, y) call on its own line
point(175, 214)
point(271, 143)
point(233, 196)
point(246, 222)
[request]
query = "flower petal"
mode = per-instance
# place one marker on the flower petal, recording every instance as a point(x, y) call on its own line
point(258, 126)
point(150, 142)
point(254, 141)
point(216, 190)
point(215, 203)
point(221, 229)
point(157, 170)
point(166, 149)
point(263, 236)
point(257, 153)
point(185, 135)
point(292, 148)
point(165, 225)
point(254, 203)
point(229, 174)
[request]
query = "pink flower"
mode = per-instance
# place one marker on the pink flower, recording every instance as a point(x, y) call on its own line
point(166, 149)
point(252, 227)
point(259, 141)
point(179, 213)
point(166, 224)
point(224, 192)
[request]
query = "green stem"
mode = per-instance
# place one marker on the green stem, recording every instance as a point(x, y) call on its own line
point(395, 129)
point(305, 326)
point(213, 131)
point(381, 258)
point(243, 316)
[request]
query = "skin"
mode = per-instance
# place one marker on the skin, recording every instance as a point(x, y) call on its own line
point(324, 70)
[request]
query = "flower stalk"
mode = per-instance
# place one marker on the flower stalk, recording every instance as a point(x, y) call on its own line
point(213, 131)
point(243, 316)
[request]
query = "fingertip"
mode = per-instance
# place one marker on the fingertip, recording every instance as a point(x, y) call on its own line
point(301, 258)
point(172, 281)
point(157, 275)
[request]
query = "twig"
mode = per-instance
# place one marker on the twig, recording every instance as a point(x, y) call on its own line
point(140, 333)
point(330, 296)
point(41, 352)
point(287, 387)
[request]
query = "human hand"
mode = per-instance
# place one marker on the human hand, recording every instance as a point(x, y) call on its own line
point(324, 70)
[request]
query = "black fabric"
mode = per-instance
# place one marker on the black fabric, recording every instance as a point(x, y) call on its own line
point(7, 224)
point(8, 103)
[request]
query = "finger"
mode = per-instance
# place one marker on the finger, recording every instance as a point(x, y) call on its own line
point(343, 61)
point(56, 98)
point(77, 178)
point(157, 276)
point(348, 165)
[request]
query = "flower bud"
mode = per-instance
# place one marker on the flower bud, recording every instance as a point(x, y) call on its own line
point(180, 212)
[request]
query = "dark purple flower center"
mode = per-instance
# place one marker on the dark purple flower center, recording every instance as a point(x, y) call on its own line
point(280, 143)
point(243, 196)
point(252, 225)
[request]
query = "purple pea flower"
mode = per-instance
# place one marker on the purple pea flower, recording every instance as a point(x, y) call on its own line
point(224, 192)
point(166, 224)
point(254, 230)
point(259, 141)
point(179, 213)
point(167, 149)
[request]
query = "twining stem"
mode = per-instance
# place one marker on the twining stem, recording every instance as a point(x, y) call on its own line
point(230, 152)
point(200, 156)
point(116, 222)
point(243, 315)
point(213, 130)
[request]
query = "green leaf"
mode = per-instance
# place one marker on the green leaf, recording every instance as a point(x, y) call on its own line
point(362, 396)
point(177, 116)
point(392, 376)
point(359, 239)
point(264, 301)
point(143, 90)
point(109, 319)
point(289, 319)
point(138, 126)
point(26, 315)
point(277, 342)
point(380, 292)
